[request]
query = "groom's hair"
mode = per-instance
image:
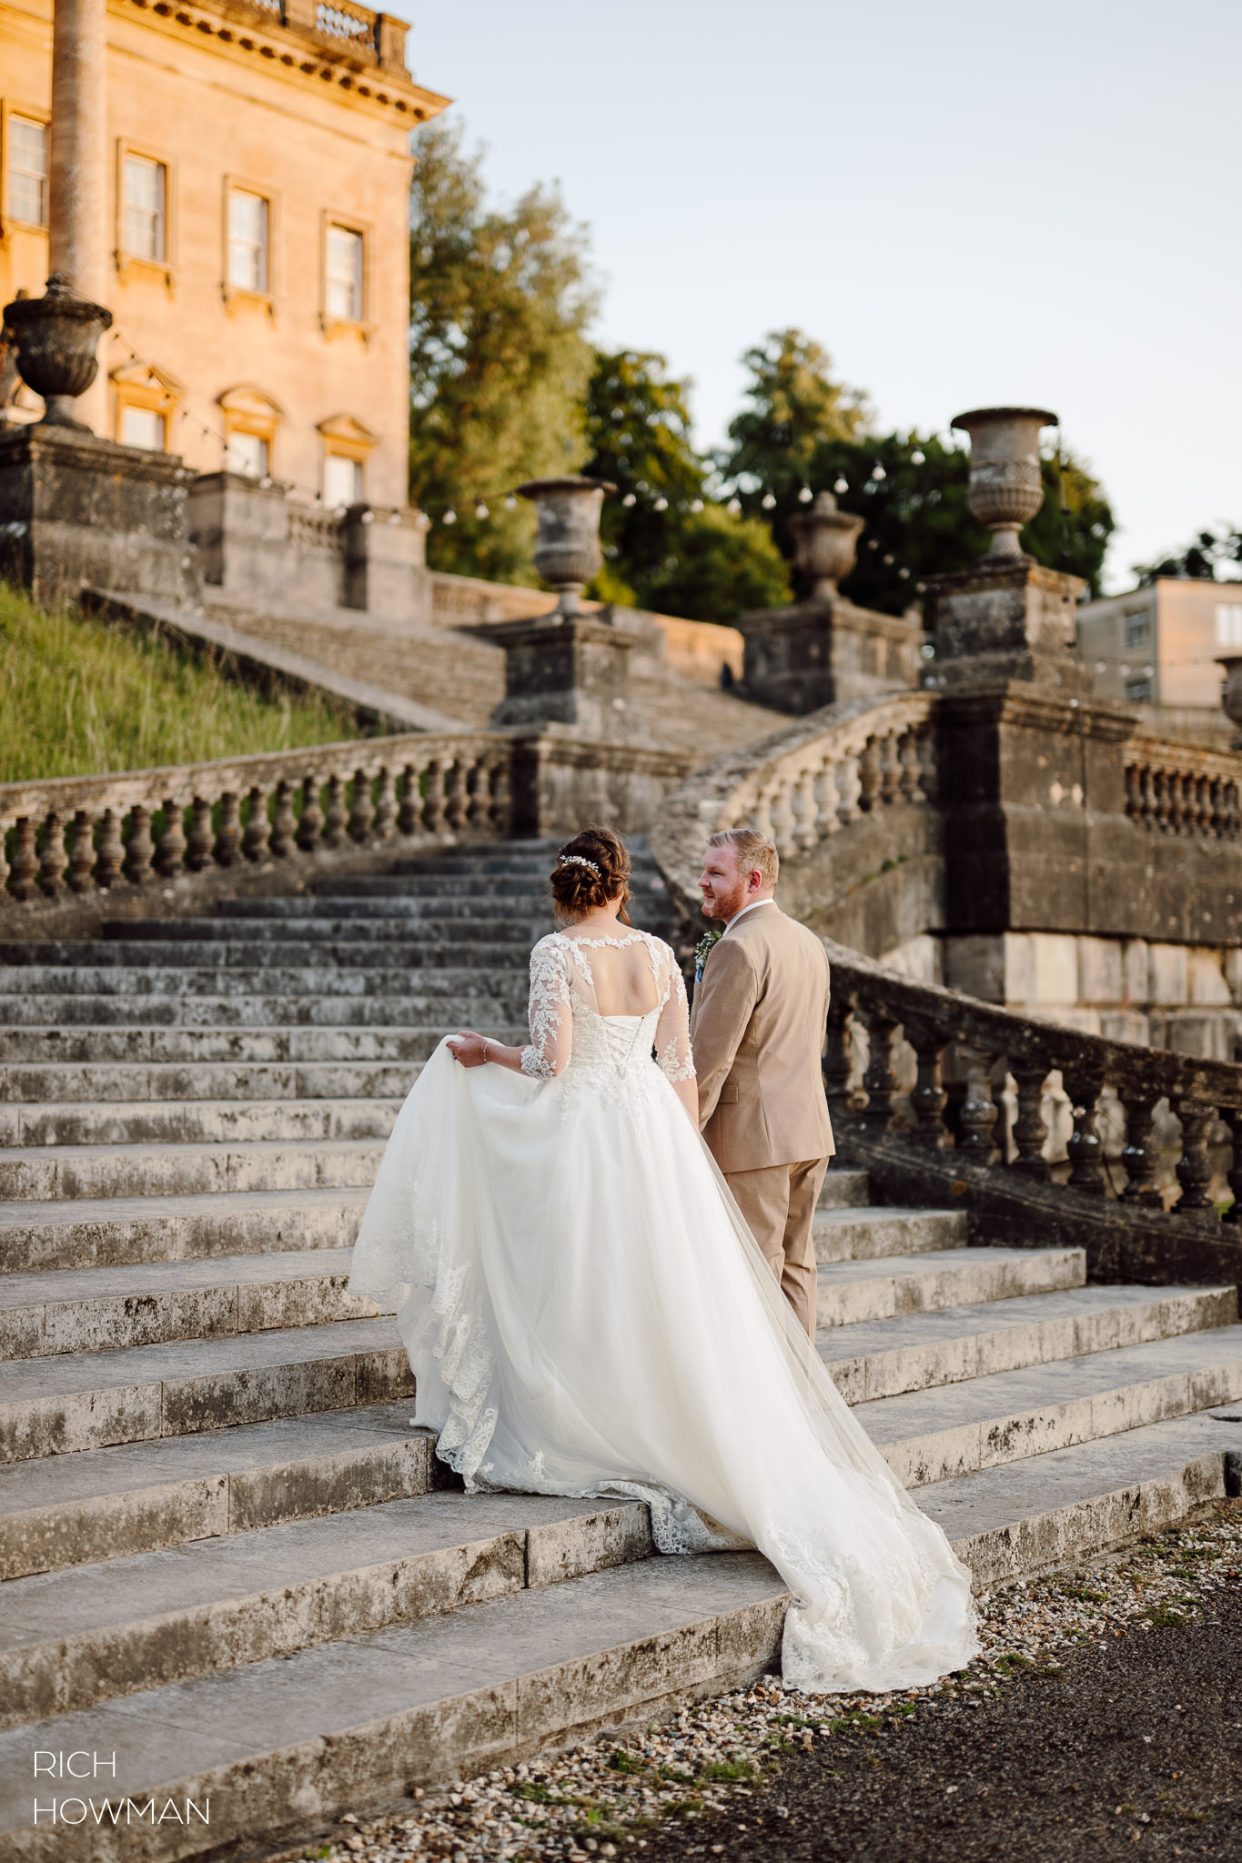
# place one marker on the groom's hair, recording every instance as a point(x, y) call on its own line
point(753, 850)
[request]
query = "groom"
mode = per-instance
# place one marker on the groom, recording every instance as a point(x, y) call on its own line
point(757, 1028)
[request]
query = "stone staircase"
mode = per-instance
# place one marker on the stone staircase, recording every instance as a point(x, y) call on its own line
point(228, 1561)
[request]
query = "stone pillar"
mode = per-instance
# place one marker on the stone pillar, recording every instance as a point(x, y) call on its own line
point(571, 670)
point(1231, 694)
point(79, 179)
point(386, 564)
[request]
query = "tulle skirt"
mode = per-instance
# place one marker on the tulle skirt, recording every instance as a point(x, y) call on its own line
point(586, 1313)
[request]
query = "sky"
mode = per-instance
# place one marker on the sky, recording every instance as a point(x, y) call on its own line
point(967, 204)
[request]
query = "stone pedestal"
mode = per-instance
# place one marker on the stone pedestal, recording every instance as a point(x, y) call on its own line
point(1007, 618)
point(824, 651)
point(76, 510)
point(571, 670)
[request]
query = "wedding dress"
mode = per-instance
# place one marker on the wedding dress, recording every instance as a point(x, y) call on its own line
point(586, 1313)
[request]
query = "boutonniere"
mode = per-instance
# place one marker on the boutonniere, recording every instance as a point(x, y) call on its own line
point(703, 950)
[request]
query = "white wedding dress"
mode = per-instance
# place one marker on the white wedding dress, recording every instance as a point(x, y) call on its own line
point(586, 1313)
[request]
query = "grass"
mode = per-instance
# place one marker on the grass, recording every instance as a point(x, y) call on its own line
point(81, 696)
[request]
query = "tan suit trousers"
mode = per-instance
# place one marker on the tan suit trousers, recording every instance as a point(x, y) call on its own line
point(779, 1204)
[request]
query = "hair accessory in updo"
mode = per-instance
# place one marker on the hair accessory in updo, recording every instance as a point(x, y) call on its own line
point(577, 860)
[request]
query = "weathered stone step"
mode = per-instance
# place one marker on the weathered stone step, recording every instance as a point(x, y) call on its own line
point(87, 1400)
point(281, 1746)
point(147, 1303)
point(922, 1351)
point(45, 1043)
point(52, 1173)
point(133, 1122)
point(60, 1510)
point(883, 1286)
point(74, 1638)
point(187, 1009)
point(651, 902)
point(444, 987)
point(90, 1082)
point(103, 1232)
point(416, 952)
point(860, 1234)
point(434, 898)
point(312, 934)
point(939, 1435)
point(844, 1189)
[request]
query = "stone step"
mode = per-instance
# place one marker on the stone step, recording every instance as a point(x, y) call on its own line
point(255, 956)
point(434, 898)
point(45, 1043)
point(449, 990)
point(930, 1436)
point(88, 1400)
point(278, 1747)
point(61, 1510)
point(107, 1231)
point(187, 1009)
point(311, 934)
point(853, 1234)
point(844, 1189)
point(650, 900)
point(90, 1082)
point(131, 1122)
point(75, 1638)
point(922, 1351)
point(885, 1286)
point(54, 1173)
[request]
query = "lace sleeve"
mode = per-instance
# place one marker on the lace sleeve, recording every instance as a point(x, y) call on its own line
point(673, 1029)
point(551, 1019)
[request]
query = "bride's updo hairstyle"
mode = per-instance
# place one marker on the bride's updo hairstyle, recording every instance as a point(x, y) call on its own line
point(589, 870)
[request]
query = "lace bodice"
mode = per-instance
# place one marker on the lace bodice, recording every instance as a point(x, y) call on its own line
point(567, 1031)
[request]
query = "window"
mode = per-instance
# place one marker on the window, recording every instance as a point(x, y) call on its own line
point(1229, 624)
point(1138, 690)
point(28, 166)
point(143, 427)
point(249, 219)
point(342, 480)
point(248, 453)
point(1138, 628)
point(342, 296)
point(144, 225)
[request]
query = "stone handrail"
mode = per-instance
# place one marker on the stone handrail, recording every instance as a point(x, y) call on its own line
point(1177, 788)
point(82, 834)
point(984, 1134)
point(804, 784)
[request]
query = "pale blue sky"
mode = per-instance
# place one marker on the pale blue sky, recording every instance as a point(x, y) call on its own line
point(967, 203)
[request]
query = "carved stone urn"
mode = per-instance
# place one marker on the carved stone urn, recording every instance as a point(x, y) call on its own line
point(1231, 694)
point(56, 337)
point(1005, 485)
point(825, 544)
point(567, 551)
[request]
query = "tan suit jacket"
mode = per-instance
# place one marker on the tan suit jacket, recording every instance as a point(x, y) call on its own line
point(758, 1028)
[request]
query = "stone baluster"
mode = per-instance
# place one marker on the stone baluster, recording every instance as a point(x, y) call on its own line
point(928, 1098)
point(334, 813)
point(870, 776)
point(782, 826)
point(803, 806)
point(255, 838)
point(1134, 792)
point(362, 813)
point(839, 1055)
point(455, 800)
point(1147, 796)
point(53, 860)
point(911, 769)
point(111, 851)
point(1232, 1116)
point(929, 769)
point(385, 806)
point(762, 817)
point(880, 1078)
point(1085, 1148)
point(310, 821)
point(1030, 1133)
point(978, 1112)
point(24, 872)
point(284, 822)
point(410, 809)
point(1138, 1156)
point(200, 838)
point(140, 853)
point(1194, 1167)
point(827, 802)
point(171, 846)
point(849, 788)
point(502, 795)
point(890, 768)
point(476, 796)
point(228, 834)
point(434, 798)
point(81, 874)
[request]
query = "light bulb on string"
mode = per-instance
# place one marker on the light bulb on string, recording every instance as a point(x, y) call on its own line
point(661, 504)
point(450, 516)
point(511, 502)
point(629, 501)
point(768, 501)
point(805, 495)
point(918, 457)
point(889, 560)
point(841, 486)
point(696, 505)
point(481, 510)
point(735, 506)
point(878, 472)
point(872, 543)
point(904, 573)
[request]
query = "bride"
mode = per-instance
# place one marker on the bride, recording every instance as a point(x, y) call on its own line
point(586, 1312)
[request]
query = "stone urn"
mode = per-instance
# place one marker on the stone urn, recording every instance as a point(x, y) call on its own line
point(56, 337)
point(1231, 694)
point(1005, 485)
point(567, 550)
point(825, 544)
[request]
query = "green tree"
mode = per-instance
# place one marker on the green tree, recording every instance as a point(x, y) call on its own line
point(1214, 556)
point(793, 406)
point(718, 565)
point(500, 298)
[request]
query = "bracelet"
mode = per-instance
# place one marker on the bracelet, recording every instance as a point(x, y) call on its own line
point(486, 1039)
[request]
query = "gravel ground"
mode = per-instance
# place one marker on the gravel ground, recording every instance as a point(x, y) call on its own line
point(1103, 1717)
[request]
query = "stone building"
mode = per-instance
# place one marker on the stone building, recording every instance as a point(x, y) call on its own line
point(256, 162)
point(1161, 645)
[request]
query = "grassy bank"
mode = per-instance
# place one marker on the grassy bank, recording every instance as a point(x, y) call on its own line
point(80, 696)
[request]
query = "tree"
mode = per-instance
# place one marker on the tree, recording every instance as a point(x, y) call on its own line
point(719, 564)
point(499, 363)
point(793, 407)
point(1210, 558)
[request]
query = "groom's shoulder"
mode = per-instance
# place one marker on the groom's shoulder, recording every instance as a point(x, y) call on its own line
point(792, 933)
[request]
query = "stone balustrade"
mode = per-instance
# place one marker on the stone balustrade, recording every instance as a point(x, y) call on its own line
point(1176, 788)
point(83, 834)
